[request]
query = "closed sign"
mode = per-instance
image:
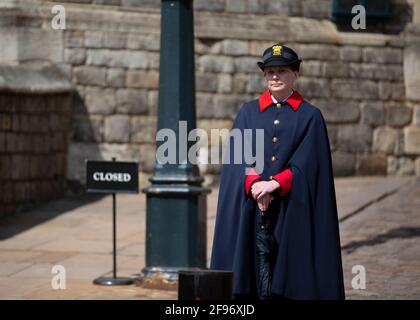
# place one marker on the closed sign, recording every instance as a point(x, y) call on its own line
point(112, 177)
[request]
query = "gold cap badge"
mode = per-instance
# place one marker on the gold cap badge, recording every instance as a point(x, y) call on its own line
point(276, 50)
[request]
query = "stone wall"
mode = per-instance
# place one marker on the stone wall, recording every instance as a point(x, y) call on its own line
point(111, 55)
point(34, 129)
point(313, 9)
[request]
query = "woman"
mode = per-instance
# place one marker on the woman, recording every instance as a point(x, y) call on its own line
point(277, 228)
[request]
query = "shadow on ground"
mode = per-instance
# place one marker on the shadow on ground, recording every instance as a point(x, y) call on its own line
point(397, 233)
point(22, 221)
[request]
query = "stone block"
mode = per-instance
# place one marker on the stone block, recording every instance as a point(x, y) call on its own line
point(416, 115)
point(115, 77)
point(311, 68)
point(373, 113)
point(417, 167)
point(143, 42)
point(100, 101)
point(350, 53)
point(240, 83)
point(256, 84)
point(142, 79)
point(400, 166)
point(114, 40)
point(227, 106)
point(89, 75)
point(205, 5)
point(397, 116)
point(383, 55)
point(74, 38)
point(339, 111)
point(316, 9)
point(239, 6)
point(224, 83)
point(343, 164)
point(147, 158)
point(205, 105)
point(117, 128)
point(93, 39)
point(313, 88)
point(213, 63)
point(388, 72)
point(132, 101)
point(385, 90)
point(411, 65)
point(384, 139)
point(140, 3)
point(235, 47)
point(333, 69)
point(205, 46)
point(152, 102)
point(350, 89)
point(75, 56)
point(372, 164)
point(257, 6)
point(362, 70)
point(354, 138)
point(412, 140)
point(318, 52)
point(247, 65)
point(143, 129)
point(118, 58)
point(206, 82)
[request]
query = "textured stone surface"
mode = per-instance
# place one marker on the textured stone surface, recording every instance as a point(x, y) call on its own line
point(117, 128)
point(132, 101)
point(33, 143)
point(412, 140)
point(143, 129)
point(412, 71)
point(398, 116)
point(343, 164)
point(354, 138)
point(88, 75)
point(373, 164)
point(115, 77)
point(338, 111)
point(111, 54)
point(142, 79)
point(100, 101)
point(373, 113)
point(384, 139)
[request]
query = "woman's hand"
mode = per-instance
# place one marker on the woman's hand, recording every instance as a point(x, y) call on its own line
point(264, 202)
point(262, 188)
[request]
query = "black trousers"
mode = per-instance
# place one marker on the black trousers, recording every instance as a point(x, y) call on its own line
point(265, 252)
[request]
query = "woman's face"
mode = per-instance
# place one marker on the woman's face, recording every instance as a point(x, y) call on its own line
point(280, 79)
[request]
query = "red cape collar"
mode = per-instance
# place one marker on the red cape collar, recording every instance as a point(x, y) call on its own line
point(294, 100)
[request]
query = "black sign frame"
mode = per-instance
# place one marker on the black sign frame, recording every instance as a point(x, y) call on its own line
point(117, 172)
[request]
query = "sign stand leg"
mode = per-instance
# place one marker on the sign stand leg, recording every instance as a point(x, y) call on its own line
point(114, 281)
point(114, 236)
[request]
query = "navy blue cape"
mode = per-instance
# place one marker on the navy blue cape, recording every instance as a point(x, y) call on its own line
point(308, 261)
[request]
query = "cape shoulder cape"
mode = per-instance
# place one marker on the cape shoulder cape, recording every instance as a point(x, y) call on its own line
point(308, 261)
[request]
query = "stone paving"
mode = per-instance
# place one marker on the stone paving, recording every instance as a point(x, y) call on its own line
point(379, 223)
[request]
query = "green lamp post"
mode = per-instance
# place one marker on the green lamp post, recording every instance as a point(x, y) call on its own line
point(175, 200)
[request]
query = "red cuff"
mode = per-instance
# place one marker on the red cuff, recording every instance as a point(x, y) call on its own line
point(251, 177)
point(284, 178)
